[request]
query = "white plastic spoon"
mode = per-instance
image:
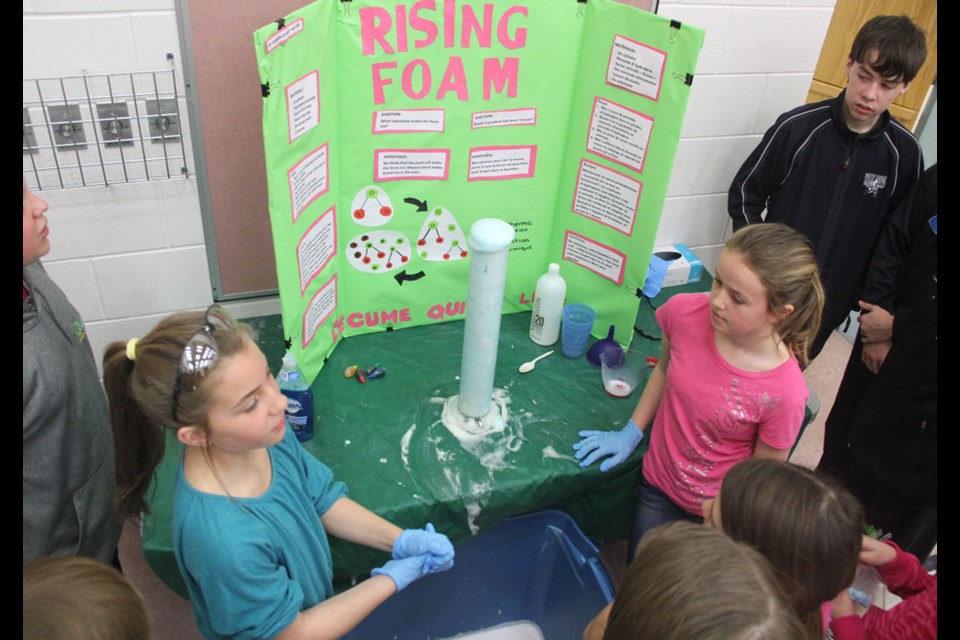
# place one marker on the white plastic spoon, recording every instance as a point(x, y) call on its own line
point(526, 367)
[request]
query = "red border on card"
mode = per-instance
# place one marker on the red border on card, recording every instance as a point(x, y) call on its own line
point(303, 285)
point(297, 214)
point(656, 97)
point(287, 94)
point(532, 164)
point(373, 123)
point(623, 263)
point(536, 113)
point(636, 211)
point(284, 34)
point(376, 163)
point(304, 341)
point(642, 115)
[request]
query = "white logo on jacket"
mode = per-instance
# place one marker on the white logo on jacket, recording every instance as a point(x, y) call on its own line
point(872, 184)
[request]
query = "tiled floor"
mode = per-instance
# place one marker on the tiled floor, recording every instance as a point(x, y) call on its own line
point(172, 616)
point(823, 375)
point(174, 619)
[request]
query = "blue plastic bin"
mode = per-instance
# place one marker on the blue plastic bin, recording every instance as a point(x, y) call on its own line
point(537, 567)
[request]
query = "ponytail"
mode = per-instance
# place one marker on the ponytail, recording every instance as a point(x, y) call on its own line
point(139, 444)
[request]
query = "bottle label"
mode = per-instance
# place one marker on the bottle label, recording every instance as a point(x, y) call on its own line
point(299, 413)
point(536, 320)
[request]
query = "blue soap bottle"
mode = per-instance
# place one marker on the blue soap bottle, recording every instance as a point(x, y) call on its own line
point(299, 411)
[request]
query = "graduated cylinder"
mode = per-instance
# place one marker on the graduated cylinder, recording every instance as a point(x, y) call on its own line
point(489, 241)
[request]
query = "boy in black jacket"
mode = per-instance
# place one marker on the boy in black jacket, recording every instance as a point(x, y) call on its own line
point(834, 170)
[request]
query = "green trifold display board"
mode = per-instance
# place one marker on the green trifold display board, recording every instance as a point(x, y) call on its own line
point(391, 127)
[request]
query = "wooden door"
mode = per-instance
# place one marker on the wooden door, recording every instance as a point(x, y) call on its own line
point(848, 16)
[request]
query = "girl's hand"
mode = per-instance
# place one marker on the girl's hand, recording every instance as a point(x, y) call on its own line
point(876, 553)
point(413, 542)
point(404, 571)
point(842, 605)
point(616, 444)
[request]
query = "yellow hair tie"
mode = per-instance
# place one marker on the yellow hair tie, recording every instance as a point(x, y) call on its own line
point(132, 348)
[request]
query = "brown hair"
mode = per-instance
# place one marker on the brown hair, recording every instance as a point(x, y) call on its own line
point(80, 599)
point(806, 525)
point(784, 261)
point(691, 581)
point(140, 393)
point(901, 44)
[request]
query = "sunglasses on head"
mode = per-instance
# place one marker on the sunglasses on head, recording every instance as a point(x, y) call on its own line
point(201, 352)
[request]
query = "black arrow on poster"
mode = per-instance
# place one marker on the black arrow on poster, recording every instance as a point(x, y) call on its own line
point(403, 276)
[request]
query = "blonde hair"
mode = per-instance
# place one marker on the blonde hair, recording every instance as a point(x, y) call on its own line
point(784, 261)
point(805, 524)
point(691, 581)
point(80, 599)
point(140, 393)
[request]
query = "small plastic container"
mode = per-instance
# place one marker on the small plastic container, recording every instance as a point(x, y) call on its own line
point(575, 329)
point(622, 370)
point(537, 568)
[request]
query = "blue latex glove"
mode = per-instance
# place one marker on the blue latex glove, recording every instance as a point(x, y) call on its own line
point(616, 444)
point(414, 542)
point(404, 571)
point(656, 273)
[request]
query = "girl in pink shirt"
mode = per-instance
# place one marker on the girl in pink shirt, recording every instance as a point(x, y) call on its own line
point(728, 384)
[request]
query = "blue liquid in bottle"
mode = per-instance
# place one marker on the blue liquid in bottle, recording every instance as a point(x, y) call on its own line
point(299, 411)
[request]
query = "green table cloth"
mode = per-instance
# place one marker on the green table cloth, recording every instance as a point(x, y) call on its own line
point(384, 439)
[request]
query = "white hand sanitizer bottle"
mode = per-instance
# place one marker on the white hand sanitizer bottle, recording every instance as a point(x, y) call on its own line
point(548, 306)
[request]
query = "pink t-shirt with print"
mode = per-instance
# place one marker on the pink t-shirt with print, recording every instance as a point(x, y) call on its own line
point(712, 413)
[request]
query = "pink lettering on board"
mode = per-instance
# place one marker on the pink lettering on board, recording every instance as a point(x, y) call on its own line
point(449, 23)
point(375, 24)
point(496, 75)
point(426, 79)
point(375, 318)
point(355, 320)
point(469, 22)
point(337, 329)
point(454, 79)
point(520, 36)
point(379, 82)
point(427, 27)
point(401, 28)
point(448, 310)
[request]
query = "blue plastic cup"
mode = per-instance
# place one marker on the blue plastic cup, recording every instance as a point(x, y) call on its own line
point(575, 329)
